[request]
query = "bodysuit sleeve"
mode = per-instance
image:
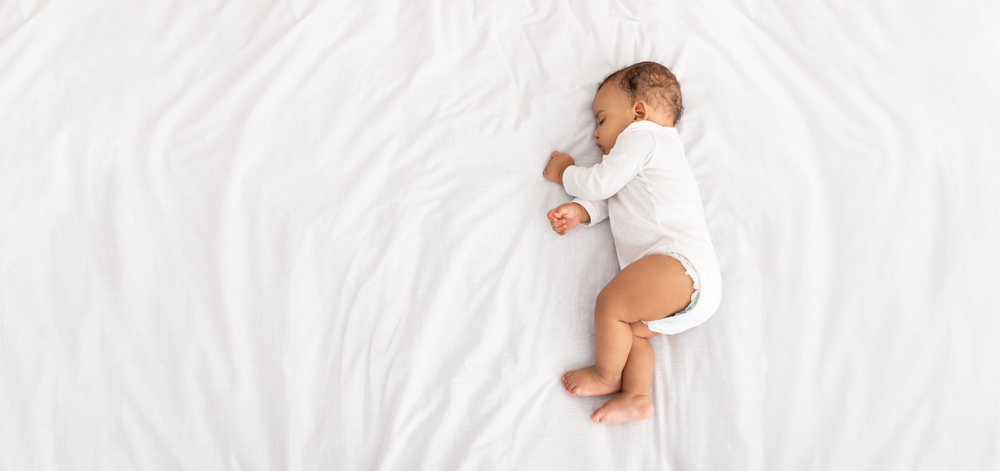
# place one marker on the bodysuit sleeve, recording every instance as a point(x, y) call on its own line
point(598, 210)
point(631, 152)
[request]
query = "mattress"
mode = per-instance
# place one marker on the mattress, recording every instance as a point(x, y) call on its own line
point(312, 235)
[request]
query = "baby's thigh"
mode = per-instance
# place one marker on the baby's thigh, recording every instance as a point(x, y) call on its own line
point(639, 329)
point(649, 289)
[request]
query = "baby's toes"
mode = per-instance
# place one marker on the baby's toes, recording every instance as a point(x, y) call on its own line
point(569, 384)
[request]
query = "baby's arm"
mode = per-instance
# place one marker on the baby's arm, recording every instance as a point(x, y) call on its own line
point(580, 211)
point(598, 210)
point(629, 155)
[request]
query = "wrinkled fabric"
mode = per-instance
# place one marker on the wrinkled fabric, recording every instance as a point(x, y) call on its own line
point(312, 235)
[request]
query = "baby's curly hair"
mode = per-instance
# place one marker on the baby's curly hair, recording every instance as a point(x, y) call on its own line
point(652, 83)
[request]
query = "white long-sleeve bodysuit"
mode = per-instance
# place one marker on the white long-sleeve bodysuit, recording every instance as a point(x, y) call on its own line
point(646, 188)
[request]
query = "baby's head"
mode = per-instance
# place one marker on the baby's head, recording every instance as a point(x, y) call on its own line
point(646, 90)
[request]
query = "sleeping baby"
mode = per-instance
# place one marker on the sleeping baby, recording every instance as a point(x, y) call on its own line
point(669, 279)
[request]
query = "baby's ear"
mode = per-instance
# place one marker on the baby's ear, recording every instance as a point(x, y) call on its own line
point(639, 110)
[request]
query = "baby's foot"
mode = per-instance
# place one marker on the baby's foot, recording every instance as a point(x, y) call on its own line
point(586, 382)
point(627, 407)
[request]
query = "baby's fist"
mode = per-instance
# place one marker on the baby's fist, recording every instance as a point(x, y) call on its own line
point(557, 165)
point(565, 217)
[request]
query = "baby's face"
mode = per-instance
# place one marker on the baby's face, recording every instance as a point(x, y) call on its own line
point(613, 114)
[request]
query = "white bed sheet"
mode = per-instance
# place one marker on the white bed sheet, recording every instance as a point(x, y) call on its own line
point(312, 235)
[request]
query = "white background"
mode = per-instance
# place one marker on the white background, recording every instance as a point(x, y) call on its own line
point(312, 235)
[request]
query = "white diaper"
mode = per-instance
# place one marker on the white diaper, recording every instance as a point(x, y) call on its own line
point(689, 271)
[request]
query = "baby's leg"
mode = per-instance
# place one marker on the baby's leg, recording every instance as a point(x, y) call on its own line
point(637, 378)
point(649, 289)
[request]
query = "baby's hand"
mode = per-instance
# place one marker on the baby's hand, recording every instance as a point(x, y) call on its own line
point(557, 165)
point(566, 217)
